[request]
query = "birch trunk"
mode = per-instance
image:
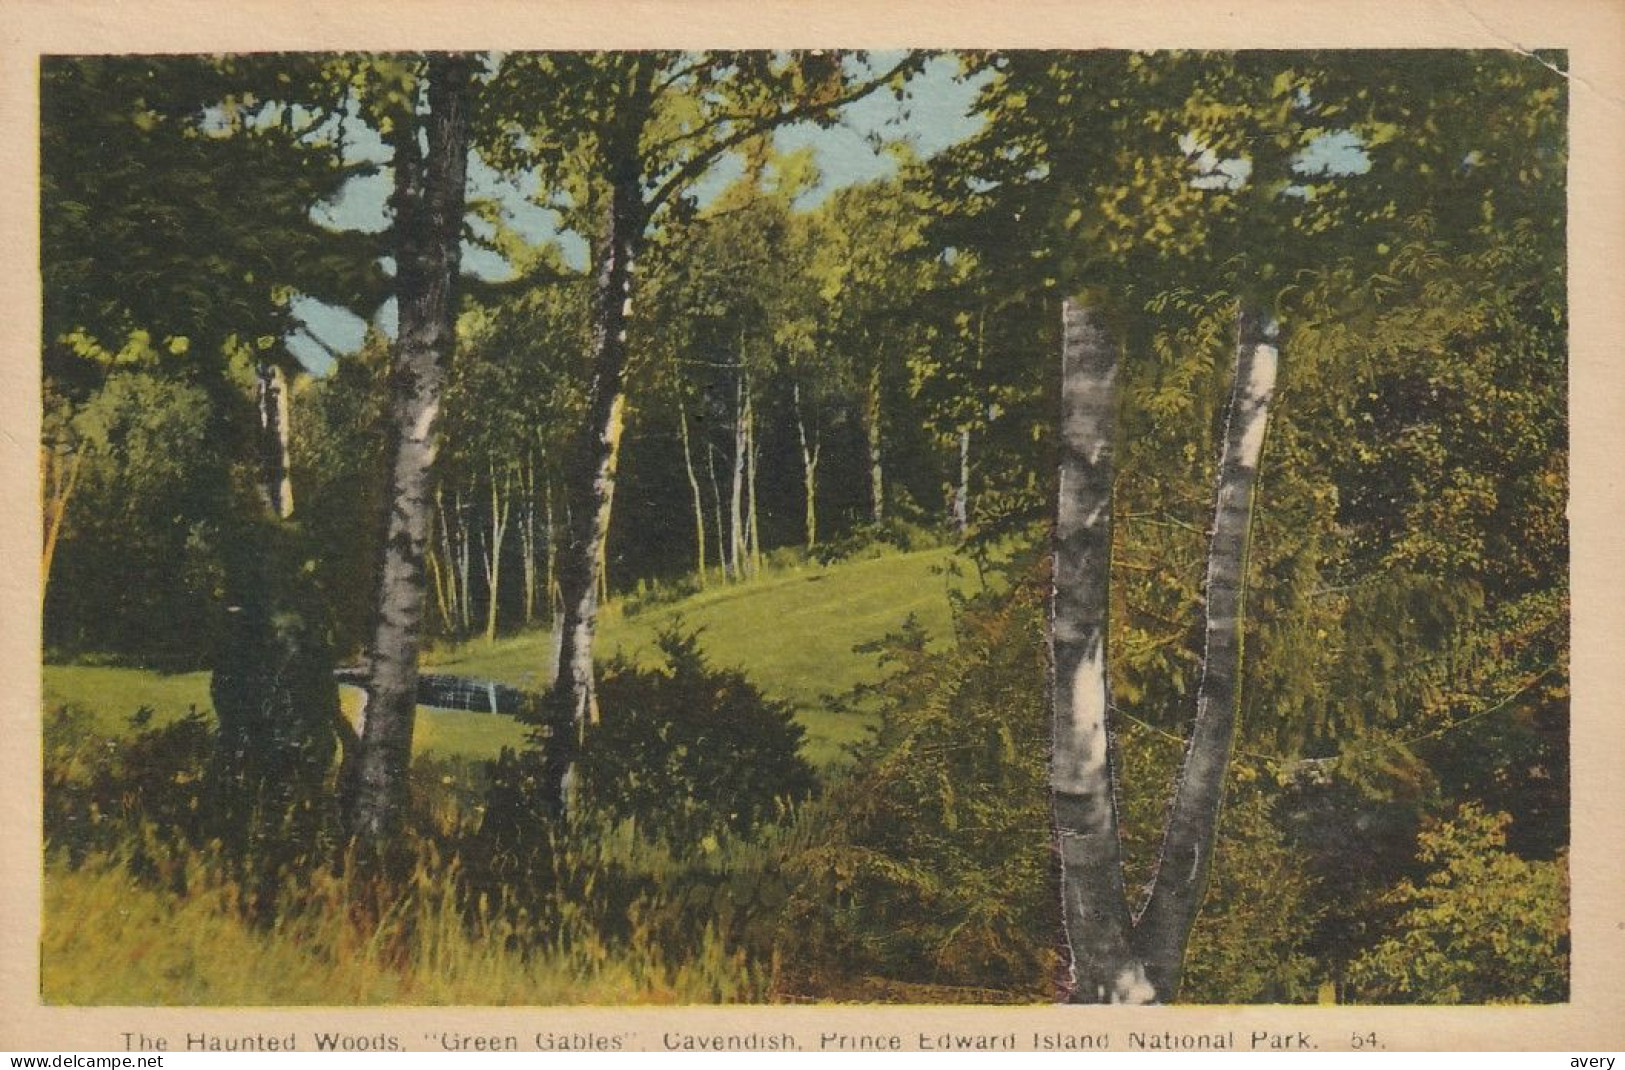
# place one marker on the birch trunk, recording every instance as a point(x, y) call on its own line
point(527, 537)
point(465, 549)
point(753, 525)
point(276, 430)
point(1099, 929)
point(699, 503)
point(716, 498)
point(501, 504)
point(448, 601)
point(590, 486)
point(809, 468)
point(437, 574)
point(962, 491)
point(871, 428)
point(736, 499)
point(428, 203)
point(1186, 857)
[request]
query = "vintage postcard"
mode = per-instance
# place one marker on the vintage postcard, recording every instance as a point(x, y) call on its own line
point(813, 527)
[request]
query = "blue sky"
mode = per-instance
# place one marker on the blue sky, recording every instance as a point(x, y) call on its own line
point(932, 114)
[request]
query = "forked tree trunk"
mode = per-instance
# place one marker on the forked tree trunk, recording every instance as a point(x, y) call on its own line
point(1186, 858)
point(1095, 914)
point(1115, 958)
point(428, 203)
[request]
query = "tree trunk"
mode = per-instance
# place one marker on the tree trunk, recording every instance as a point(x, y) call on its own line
point(1187, 848)
point(962, 490)
point(809, 469)
point(501, 505)
point(428, 204)
point(59, 491)
point(699, 503)
point(736, 542)
point(871, 428)
point(716, 499)
point(753, 525)
point(437, 572)
point(591, 479)
point(449, 611)
point(275, 432)
point(527, 537)
point(465, 549)
point(550, 565)
point(1099, 929)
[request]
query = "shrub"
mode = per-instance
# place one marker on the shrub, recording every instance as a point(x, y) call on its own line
point(1483, 926)
point(690, 751)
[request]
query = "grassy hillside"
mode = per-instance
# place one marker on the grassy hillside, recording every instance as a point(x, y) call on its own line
point(793, 632)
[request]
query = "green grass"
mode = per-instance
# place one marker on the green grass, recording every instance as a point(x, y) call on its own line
point(792, 632)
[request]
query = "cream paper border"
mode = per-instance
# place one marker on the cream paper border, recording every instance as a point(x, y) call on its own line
point(1593, 31)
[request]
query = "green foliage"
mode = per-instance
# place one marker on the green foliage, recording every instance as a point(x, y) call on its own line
point(689, 751)
point(930, 864)
point(1250, 942)
point(142, 537)
point(1481, 926)
point(99, 787)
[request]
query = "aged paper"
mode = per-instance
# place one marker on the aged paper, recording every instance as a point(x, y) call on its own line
point(1591, 31)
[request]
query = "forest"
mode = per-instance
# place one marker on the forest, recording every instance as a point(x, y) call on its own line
point(805, 526)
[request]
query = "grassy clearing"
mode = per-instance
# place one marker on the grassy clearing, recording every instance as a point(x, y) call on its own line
point(793, 632)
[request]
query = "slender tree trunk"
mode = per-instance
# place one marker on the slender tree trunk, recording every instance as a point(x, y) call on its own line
point(448, 599)
point(699, 504)
point(428, 204)
point(809, 468)
point(527, 536)
point(1099, 929)
point(716, 499)
point(1186, 857)
point(753, 525)
point(550, 564)
point(465, 554)
point(736, 498)
point(501, 506)
point(59, 491)
point(871, 428)
point(437, 573)
point(962, 490)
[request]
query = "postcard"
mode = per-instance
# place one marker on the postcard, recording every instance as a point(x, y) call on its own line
point(610, 527)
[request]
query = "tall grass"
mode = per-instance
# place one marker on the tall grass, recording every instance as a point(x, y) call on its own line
point(112, 938)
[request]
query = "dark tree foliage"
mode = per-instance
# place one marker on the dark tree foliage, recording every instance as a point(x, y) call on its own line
point(690, 751)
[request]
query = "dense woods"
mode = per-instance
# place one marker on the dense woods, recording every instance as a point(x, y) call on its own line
point(1168, 468)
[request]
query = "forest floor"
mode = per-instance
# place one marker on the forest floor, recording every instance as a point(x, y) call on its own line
point(794, 632)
